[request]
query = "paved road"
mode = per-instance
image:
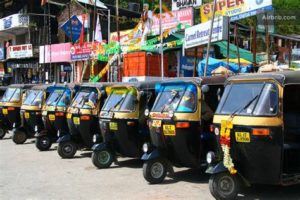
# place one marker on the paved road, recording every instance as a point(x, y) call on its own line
point(26, 173)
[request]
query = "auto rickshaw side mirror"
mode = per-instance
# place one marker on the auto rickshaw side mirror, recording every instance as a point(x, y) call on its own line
point(204, 88)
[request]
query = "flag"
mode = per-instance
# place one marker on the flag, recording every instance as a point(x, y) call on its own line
point(43, 2)
point(98, 34)
point(81, 39)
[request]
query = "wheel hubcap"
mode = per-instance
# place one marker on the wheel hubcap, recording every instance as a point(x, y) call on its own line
point(103, 157)
point(45, 142)
point(157, 170)
point(68, 148)
point(226, 185)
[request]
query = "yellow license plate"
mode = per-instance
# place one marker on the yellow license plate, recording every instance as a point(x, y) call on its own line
point(26, 115)
point(156, 123)
point(69, 116)
point(51, 117)
point(113, 126)
point(4, 111)
point(76, 120)
point(242, 137)
point(169, 130)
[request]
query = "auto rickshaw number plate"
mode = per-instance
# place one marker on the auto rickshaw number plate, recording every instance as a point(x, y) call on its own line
point(76, 120)
point(69, 116)
point(242, 137)
point(51, 117)
point(26, 115)
point(113, 126)
point(156, 123)
point(169, 130)
point(4, 111)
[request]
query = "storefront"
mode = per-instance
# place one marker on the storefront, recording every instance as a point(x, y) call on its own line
point(22, 64)
point(56, 62)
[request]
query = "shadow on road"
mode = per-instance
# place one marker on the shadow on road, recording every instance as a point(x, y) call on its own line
point(188, 175)
point(266, 192)
point(131, 163)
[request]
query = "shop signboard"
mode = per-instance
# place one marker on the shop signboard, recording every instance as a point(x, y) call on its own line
point(2, 54)
point(19, 51)
point(55, 53)
point(199, 34)
point(179, 4)
point(14, 21)
point(187, 66)
point(171, 20)
point(83, 52)
point(235, 9)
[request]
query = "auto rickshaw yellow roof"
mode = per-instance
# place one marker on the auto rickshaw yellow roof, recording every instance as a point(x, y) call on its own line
point(283, 78)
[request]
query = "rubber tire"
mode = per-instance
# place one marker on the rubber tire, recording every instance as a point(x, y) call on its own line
point(216, 191)
point(147, 167)
point(97, 163)
point(2, 133)
point(19, 137)
point(39, 143)
point(61, 149)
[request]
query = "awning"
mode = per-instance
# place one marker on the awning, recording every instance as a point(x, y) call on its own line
point(247, 55)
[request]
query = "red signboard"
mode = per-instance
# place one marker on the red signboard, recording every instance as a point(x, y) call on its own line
point(83, 52)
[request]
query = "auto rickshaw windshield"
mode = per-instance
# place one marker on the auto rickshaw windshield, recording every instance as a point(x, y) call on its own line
point(178, 98)
point(121, 100)
point(34, 97)
point(85, 99)
point(59, 97)
point(12, 95)
point(258, 99)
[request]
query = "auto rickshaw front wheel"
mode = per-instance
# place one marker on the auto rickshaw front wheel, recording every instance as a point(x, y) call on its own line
point(19, 137)
point(43, 143)
point(155, 170)
point(102, 158)
point(2, 133)
point(224, 186)
point(67, 149)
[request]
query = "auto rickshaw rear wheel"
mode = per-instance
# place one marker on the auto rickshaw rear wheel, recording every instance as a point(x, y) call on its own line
point(2, 133)
point(19, 137)
point(224, 186)
point(155, 170)
point(67, 149)
point(43, 143)
point(102, 158)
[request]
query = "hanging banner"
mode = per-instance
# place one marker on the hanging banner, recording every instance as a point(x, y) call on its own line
point(19, 51)
point(58, 52)
point(235, 9)
point(199, 34)
point(124, 36)
point(83, 52)
point(75, 31)
point(179, 4)
point(173, 19)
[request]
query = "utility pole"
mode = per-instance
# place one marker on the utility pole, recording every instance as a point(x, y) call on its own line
point(161, 41)
point(209, 39)
point(118, 32)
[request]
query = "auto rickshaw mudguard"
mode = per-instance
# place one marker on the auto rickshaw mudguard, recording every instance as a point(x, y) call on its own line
point(64, 138)
point(152, 155)
point(99, 147)
point(216, 169)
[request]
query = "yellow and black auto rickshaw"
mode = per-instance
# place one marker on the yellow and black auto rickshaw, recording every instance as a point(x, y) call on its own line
point(123, 122)
point(82, 119)
point(179, 124)
point(31, 113)
point(257, 125)
point(54, 115)
point(10, 107)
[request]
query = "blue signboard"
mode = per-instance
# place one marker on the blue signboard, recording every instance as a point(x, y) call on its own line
point(186, 66)
point(2, 54)
point(76, 25)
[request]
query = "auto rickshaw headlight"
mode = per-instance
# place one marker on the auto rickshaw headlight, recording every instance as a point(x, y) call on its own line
point(36, 129)
point(210, 157)
point(14, 125)
point(58, 133)
point(146, 147)
point(146, 112)
point(171, 113)
point(95, 138)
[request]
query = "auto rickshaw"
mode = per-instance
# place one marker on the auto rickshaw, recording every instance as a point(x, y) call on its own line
point(257, 125)
point(123, 122)
point(31, 113)
point(179, 124)
point(54, 115)
point(10, 107)
point(82, 119)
